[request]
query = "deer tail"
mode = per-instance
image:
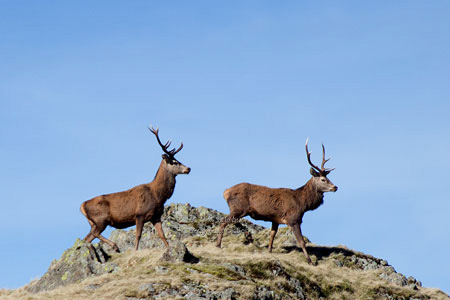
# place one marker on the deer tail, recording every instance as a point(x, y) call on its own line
point(83, 211)
point(226, 194)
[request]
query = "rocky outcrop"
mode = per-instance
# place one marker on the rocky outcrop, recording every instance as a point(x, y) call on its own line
point(180, 221)
point(242, 270)
point(76, 263)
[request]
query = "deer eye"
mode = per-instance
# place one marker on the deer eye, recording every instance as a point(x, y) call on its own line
point(323, 179)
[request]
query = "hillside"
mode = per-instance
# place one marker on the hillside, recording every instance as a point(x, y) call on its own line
point(195, 269)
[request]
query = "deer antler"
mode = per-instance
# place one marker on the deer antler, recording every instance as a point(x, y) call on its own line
point(166, 145)
point(308, 155)
point(322, 169)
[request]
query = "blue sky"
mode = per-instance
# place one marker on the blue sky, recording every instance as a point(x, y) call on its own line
point(242, 84)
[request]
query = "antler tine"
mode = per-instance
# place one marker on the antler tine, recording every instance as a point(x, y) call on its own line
point(166, 145)
point(308, 155)
point(178, 150)
point(323, 169)
point(156, 133)
point(323, 158)
point(153, 129)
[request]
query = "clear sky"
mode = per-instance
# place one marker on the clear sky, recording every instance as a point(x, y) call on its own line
point(242, 84)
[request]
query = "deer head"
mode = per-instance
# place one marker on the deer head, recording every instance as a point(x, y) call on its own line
point(319, 179)
point(172, 164)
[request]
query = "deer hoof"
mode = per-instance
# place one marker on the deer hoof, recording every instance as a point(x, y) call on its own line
point(312, 263)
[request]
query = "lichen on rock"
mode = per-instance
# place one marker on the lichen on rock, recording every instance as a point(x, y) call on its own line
point(193, 268)
point(76, 263)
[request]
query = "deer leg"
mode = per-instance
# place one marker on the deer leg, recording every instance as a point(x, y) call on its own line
point(298, 234)
point(219, 236)
point(273, 232)
point(233, 216)
point(89, 237)
point(109, 242)
point(96, 232)
point(139, 226)
point(159, 230)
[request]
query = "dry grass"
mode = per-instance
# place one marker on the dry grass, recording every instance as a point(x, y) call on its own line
point(138, 268)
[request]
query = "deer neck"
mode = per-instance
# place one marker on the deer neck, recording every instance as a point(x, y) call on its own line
point(310, 195)
point(164, 183)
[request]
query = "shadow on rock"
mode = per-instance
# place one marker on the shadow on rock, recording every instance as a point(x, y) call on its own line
point(178, 252)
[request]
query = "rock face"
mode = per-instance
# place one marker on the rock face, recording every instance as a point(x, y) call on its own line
point(242, 270)
point(180, 221)
point(76, 263)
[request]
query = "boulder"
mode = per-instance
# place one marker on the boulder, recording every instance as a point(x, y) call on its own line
point(177, 252)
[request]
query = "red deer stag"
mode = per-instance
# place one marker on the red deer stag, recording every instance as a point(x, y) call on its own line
point(279, 205)
point(137, 205)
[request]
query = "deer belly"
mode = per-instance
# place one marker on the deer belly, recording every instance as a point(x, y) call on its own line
point(122, 225)
point(256, 216)
point(269, 215)
point(264, 216)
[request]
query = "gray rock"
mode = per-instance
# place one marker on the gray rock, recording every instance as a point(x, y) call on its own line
point(76, 263)
point(262, 293)
point(297, 286)
point(198, 291)
point(92, 287)
point(235, 268)
point(181, 214)
point(183, 220)
point(228, 294)
point(413, 283)
point(339, 263)
point(290, 240)
point(278, 270)
point(395, 278)
point(148, 287)
point(177, 252)
point(193, 296)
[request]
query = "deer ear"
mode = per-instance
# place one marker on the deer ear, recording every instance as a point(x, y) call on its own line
point(314, 172)
point(165, 157)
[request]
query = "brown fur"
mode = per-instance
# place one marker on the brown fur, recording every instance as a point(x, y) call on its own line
point(277, 205)
point(135, 206)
